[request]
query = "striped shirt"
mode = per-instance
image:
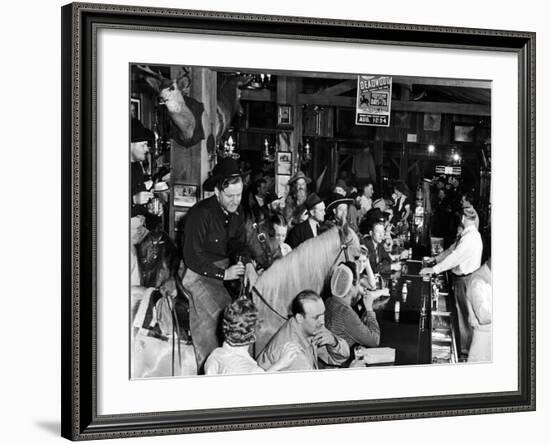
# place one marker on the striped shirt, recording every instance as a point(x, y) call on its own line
point(344, 322)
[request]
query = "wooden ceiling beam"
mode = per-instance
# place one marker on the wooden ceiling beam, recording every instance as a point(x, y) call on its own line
point(408, 80)
point(258, 95)
point(264, 95)
point(339, 88)
point(400, 105)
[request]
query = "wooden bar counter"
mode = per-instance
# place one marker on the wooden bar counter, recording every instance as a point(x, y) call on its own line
point(409, 331)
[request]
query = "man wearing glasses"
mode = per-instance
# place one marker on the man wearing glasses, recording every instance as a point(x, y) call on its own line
point(214, 238)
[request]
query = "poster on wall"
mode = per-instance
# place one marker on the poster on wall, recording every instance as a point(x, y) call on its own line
point(373, 100)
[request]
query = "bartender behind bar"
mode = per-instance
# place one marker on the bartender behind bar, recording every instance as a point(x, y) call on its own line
point(462, 258)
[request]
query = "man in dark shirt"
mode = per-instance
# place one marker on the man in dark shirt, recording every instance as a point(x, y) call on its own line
point(140, 139)
point(140, 189)
point(380, 260)
point(214, 237)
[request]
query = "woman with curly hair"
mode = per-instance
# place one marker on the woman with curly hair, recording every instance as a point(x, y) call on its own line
point(240, 322)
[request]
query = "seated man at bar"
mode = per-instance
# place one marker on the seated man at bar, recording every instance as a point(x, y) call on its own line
point(317, 345)
point(240, 321)
point(380, 260)
point(462, 258)
point(341, 319)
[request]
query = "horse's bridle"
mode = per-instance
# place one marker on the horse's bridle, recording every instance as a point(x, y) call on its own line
point(344, 244)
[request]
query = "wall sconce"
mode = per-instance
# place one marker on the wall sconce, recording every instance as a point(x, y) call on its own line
point(267, 154)
point(306, 152)
point(229, 148)
point(455, 156)
point(431, 149)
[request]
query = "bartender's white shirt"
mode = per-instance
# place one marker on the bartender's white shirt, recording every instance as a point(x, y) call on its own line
point(464, 256)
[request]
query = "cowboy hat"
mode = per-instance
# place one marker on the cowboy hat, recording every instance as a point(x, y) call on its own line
point(337, 199)
point(227, 167)
point(297, 176)
point(312, 200)
point(139, 133)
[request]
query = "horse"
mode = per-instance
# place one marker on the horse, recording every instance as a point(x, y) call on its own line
point(308, 266)
point(158, 258)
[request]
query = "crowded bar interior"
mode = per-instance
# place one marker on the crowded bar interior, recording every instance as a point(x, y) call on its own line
point(299, 221)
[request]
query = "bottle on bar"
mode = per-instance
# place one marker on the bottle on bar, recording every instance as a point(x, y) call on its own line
point(396, 310)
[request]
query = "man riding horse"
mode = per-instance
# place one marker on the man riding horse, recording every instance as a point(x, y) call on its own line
point(214, 238)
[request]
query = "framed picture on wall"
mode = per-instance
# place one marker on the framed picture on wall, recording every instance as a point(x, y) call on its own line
point(284, 162)
point(99, 400)
point(464, 133)
point(285, 117)
point(185, 195)
point(135, 108)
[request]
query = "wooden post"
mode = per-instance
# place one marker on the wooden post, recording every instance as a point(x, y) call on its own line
point(190, 165)
point(287, 94)
point(404, 161)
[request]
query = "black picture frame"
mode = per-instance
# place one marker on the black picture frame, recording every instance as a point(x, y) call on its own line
point(135, 108)
point(185, 195)
point(285, 117)
point(80, 420)
point(463, 133)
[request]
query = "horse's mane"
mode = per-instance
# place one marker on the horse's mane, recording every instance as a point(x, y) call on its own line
point(306, 267)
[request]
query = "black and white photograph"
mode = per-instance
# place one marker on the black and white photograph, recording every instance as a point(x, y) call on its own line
point(185, 195)
point(354, 233)
point(284, 164)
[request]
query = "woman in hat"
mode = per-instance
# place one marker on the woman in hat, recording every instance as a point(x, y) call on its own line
point(240, 322)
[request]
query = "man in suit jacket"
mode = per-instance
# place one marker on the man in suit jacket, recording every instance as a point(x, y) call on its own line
point(380, 260)
point(310, 227)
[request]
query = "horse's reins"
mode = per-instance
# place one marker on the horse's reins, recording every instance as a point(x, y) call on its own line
point(343, 249)
point(255, 290)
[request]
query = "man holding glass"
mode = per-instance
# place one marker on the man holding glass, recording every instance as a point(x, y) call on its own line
point(214, 237)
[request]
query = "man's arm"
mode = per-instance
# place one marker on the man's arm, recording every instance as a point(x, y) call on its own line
point(445, 253)
point(366, 330)
point(455, 257)
point(385, 261)
point(335, 353)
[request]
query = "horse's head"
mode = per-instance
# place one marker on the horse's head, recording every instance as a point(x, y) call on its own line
point(157, 258)
point(350, 240)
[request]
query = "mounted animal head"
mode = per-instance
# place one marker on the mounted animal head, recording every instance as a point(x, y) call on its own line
point(184, 111)
point(229, 100)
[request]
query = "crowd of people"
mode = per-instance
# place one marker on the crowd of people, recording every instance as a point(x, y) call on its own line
point(244, 225)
